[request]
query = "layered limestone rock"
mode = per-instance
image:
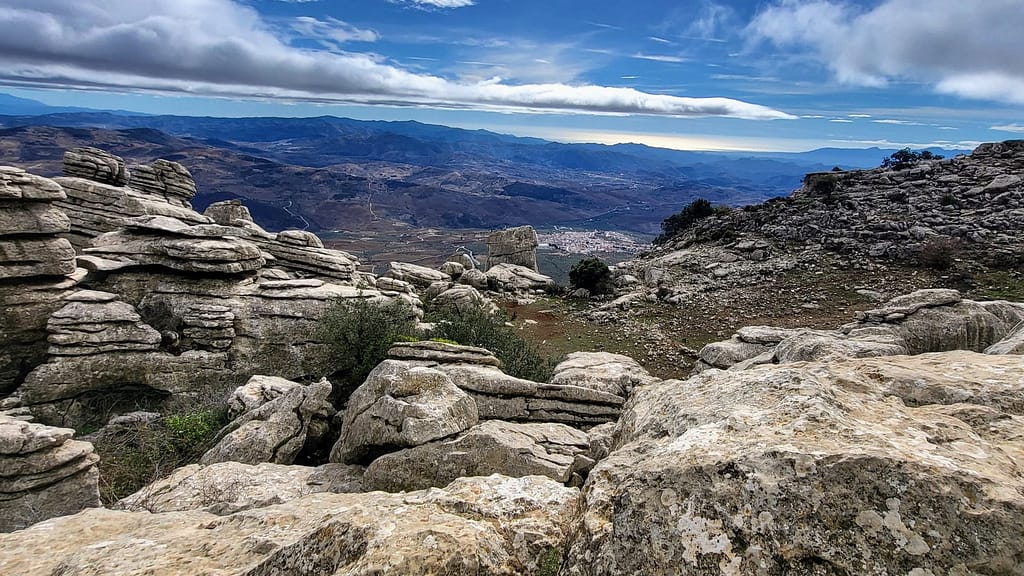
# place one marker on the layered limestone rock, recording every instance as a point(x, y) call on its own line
point(96, 165)
point(164, 179)
point(515, 278)
point(1012, 344)
point(492, 525)
point(93, 322)
point(419, 276)
point(277, 431)
point(401, 405)
point(499, 396)
point(513, 246)
point(894, 465)
point(462, 298)
point(932, 320)
point(37, 268)
point(228, 487)
point(492, 447)
point(43, 473)
point(256, 392)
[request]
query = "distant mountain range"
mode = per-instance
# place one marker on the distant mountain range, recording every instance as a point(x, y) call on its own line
point(340, 173)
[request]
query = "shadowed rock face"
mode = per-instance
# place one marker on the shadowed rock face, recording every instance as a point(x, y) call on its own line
point(43, 473)
point(513, 246)
point(492, 525)
point(880, 465)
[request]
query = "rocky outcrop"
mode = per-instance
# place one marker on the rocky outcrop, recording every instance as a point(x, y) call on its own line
point(491, 447)
point(492, 525)
point(94, 322)
point(932, 320)
point(96, 165)
point(256, 392)
point(43, 473)
point(513, 246)
point(602, 371)
point(516, 278)
point(442, 353)
point(401, 405)
point(462, 298)
point(418, 276)
point(164, 179)
point(229, 487)
point(895, 465)
point(277, 431)
point(37, 268)
point(1012, 344)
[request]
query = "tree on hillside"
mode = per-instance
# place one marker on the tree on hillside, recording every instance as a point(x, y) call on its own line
point(906, 158)
point(677, 223)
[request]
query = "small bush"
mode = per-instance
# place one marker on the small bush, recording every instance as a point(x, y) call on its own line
point(591, 274)
point(678, 223)
point(906, 158)
point(359, 333)
point(475, 327)
point(939, 253)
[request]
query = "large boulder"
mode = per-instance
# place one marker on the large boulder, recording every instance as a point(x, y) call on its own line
point(513, 246)
point(278, 430)
point(893, 465)
point(95, 164)
point(228, 487)
point(164, 179)
point(493, 525)
point(401, 405)
point(1012, 344)
point(491, 447)
point(43, 474)
point(603, 371)
point(516, 278)
point(419, 276)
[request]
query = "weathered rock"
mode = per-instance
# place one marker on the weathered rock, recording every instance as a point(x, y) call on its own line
point(189, 249)
point(164, 179)
point(419, 276)
point(729, 352)
point(27, 257)
point(1013, 343)
point(909, 303)
point(276, 431)
point(461, 298)
point(20, 186)
point(490, 447)
point(95, 164)
point(31, 218)
point(513, 246)
point(229, 487)
point(821, 345)
point(896, 465)
point(401, 405)
point(603, 371)
point(499, 396)
point(493, 525)
point(442, 353)
point(93, 322)
point(515, 278)
point(453, 269)
point(256, 392)
point(229, 213)
point(43, 473)
point(474, 278)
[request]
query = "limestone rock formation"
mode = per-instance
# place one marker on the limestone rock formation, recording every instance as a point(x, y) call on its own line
point(602, 371)
point(895, 465)
point(461, 298)
point(164, 179)
point(43, 473)
point(228, 487)
point(93, 322)
point(95, 164)
point(256, 392)
point(278, 430)
point(474, 278)
point(442, 353)
point(515, 278)
point(42, 263)
point(932, 320)
point(491, 525)
point(491, 447)
point(419, 276)
point(513, 246)
point(401, 405)
point(1013, 343)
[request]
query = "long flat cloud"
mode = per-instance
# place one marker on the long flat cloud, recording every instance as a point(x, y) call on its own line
point(967, 48)
point(220, 47)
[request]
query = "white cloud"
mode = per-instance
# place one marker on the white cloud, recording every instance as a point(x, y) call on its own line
point(968, 49)
point(1019, 128)
point(659, 57)
point(224, 48)
point(444, 3)
point(332, 31)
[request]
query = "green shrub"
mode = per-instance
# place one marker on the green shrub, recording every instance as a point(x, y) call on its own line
point(135, 456)
point(359, 333)
point(678, 223)
point(475, 327)
point(906, 158)
point(592, 274)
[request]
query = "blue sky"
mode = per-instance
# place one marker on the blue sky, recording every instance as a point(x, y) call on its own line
point(701, 74)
